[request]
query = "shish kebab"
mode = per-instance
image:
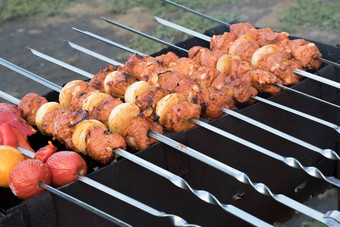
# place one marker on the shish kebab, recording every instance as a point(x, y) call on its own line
point(229, 25)
point(328, 153)
point(75, 125)
point(214, 110)
point(271, 52)
point(221, 48)
point(296, 112)
point(327, 218)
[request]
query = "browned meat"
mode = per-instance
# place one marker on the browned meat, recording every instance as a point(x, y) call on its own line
point(98, 80)
point(184, 66)
point(212, 101)
point(239, 67)
point(178, 116)
point(100, 145)
point(222, 42)
point(80, 91)
point(61, 124)
point(281, 67)
point(137, 133)
point(241, 90)
point(119, 84)
point(169, 80)
point(187, 87)
point(167, 58)
point(265, 36)
point(102, 111)
point(240, 29)
point(307, 54)
point(204, 76)
point(263, 81)
point(30, 105)
point(245, 50)
point(204, 56)
point(150, 98)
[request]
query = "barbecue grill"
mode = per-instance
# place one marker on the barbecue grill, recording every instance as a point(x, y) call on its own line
point(145, 186)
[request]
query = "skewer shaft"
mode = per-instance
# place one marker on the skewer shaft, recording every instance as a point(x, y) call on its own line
point(207, 38)
point(197, 13)
point(143, 34)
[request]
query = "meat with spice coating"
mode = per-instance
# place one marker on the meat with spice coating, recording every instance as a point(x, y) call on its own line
point(102, 111)
point(29, 105)
point(98, 80)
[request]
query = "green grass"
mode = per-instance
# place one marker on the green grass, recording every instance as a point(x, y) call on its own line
point(308, 14)
point(12, 9)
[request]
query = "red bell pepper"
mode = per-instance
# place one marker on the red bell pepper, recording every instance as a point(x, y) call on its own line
point(45, 152)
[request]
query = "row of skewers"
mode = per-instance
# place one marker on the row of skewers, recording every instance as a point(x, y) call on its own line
point(174, 111)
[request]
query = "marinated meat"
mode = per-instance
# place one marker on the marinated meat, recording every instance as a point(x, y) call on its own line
point(117, 87)
point(79, 92)
point(240, 29)
point(167, 58)
point(241, 90)
point(169, 80)
point(61, 124)
point(212, 101)
point(98, 80)
point(308, 55)
point(187, 87)
point(222, 42)
point(102, 111)
point(137, 133)
point(100, 144)
point(30, 105)
point(150, 98)
point(204, 56)
point(178, 116)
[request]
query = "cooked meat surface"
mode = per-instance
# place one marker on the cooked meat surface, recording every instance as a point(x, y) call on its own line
point(120, 83)
point(100, 144)
point(98, 80)
point(167, 58)
point(222, 42)
point(102, 111)
point(151, 97)
point(30, 105)
point(240, 29)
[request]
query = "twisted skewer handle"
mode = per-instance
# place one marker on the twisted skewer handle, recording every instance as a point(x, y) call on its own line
point(203, 195)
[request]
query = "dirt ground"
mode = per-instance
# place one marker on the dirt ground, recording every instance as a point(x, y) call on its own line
point(48, 35)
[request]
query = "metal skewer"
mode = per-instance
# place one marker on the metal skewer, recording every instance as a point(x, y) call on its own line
point(330, 218)
point(299, 113)
point(207, 38)
point(229, 25)
point(328, 153)
point(176, 180)
point(292, 162)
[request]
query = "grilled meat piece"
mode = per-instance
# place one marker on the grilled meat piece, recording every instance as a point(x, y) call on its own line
point(178, 116)
point(29, 105)
point(151, 97)
point(167, 58)
point(222, 42)
point(137, 133)
point(204, 56)
point(98, 80)
point(262, 80)
point(117, 82)
point(212, 101)
point(102, 111)
point(308, 55)
point(240, 29)
point(100, 144)
point(61, 124)
point(78, 92)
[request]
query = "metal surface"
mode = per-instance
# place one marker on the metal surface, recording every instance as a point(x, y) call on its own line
point(143, 34)
point(203, 195)
point(328, 153)
point(176, 220)
point(241, 177)
point(9, 98)
point(207, 38)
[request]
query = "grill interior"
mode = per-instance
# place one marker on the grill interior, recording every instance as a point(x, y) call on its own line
point(159, 193)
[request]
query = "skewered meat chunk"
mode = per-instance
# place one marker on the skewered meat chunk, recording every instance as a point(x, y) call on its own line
point(262, 80)
point(187, 87)
point(241, 91)
point(244, 47)
point(117, 82)
point(136, 136)
point(150, 98)
point(29, 105)
point(100, 144)
point(308, 55)
point(167, 58)
point(177, 117)
point(98, 80)
point(61, 124)
point(211, 101)
point(222, 42)
point(240, 29)
point(204, 56)
point(102, 111)
point(169, 80)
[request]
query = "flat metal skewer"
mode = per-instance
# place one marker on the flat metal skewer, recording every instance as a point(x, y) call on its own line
point(292, 162)
point(207, 38)
point(176, 180)
point(328, 153)
point(328, 218)
point(229, 25)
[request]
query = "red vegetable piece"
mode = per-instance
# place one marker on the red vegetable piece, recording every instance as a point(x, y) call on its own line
point(10, 107)
point(26, 176)
point(65, 167)
point(7, 135)
point(45, 152)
